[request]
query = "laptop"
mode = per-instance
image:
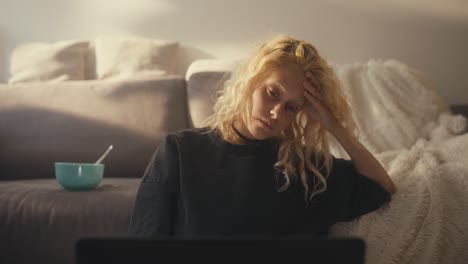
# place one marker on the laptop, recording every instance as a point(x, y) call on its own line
point(95, 250)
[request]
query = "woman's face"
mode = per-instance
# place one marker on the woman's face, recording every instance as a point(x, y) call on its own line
point(275, 102)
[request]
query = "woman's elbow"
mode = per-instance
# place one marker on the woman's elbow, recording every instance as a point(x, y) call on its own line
point(392, 189)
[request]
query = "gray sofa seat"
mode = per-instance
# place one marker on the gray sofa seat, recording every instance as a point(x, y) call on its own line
point(42, 220)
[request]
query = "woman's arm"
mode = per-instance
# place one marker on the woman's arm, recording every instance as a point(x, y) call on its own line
point(156, 200)
point(364, 162)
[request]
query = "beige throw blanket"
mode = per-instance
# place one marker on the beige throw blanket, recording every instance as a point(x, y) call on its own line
point(425, 151)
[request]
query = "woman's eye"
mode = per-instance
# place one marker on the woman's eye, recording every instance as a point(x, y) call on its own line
point(290, 108)
point(273, 93)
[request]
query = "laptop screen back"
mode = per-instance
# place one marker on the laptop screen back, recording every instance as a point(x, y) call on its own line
point(216, 250)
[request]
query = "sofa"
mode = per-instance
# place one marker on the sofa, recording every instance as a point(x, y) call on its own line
point(75, 121)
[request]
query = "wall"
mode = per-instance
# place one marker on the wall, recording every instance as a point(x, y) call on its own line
point(431, 36)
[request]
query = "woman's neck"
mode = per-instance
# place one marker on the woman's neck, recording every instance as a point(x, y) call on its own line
point(236, 135)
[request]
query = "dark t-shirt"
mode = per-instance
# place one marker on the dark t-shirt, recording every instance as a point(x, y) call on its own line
point(198, 185)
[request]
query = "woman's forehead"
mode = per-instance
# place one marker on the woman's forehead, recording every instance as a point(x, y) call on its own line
point(289, 78)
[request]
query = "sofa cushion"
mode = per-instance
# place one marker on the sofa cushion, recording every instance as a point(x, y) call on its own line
point(123, 57)
point(76, 121)
point(52, 62)
point(40, 221)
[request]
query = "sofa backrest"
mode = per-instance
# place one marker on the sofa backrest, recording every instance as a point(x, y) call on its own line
point(43, 123)
point(76, 121)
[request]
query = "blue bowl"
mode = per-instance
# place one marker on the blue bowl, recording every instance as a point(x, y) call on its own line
point(78, 176)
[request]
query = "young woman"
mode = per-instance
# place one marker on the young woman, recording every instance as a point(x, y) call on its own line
point(262, 165)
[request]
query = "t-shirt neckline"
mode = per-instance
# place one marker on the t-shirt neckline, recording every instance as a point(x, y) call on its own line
point(250, 148)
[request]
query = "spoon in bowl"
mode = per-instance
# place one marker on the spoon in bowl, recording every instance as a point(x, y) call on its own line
point(104, 155)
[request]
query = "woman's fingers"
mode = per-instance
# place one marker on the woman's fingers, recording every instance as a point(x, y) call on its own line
point(313, 101)
point(313, 80)
point(312, 93)
point(312, 107)
point(311, 86)
point(311, 90)
point(315, 107)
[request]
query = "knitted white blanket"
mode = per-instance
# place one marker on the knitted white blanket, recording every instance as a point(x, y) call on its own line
point(427, 220)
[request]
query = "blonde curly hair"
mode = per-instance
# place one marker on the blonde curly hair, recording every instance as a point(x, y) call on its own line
point(304, 138)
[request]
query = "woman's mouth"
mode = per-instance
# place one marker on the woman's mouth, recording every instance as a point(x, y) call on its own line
point(266, 125)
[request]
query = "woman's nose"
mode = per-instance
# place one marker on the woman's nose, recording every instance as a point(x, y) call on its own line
point(276, 111)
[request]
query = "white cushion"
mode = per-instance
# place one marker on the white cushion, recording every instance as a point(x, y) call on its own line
point(122, 57)
point(48, 62)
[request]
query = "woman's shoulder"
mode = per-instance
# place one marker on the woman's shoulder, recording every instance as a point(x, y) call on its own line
point(190, 132)
point(188, 135)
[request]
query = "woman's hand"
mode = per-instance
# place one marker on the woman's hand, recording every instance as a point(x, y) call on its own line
point(314, 106)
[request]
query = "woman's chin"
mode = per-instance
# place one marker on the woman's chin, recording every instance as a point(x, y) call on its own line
point(261, 134)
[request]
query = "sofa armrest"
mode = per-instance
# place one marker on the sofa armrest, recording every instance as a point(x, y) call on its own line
point(202, 88)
